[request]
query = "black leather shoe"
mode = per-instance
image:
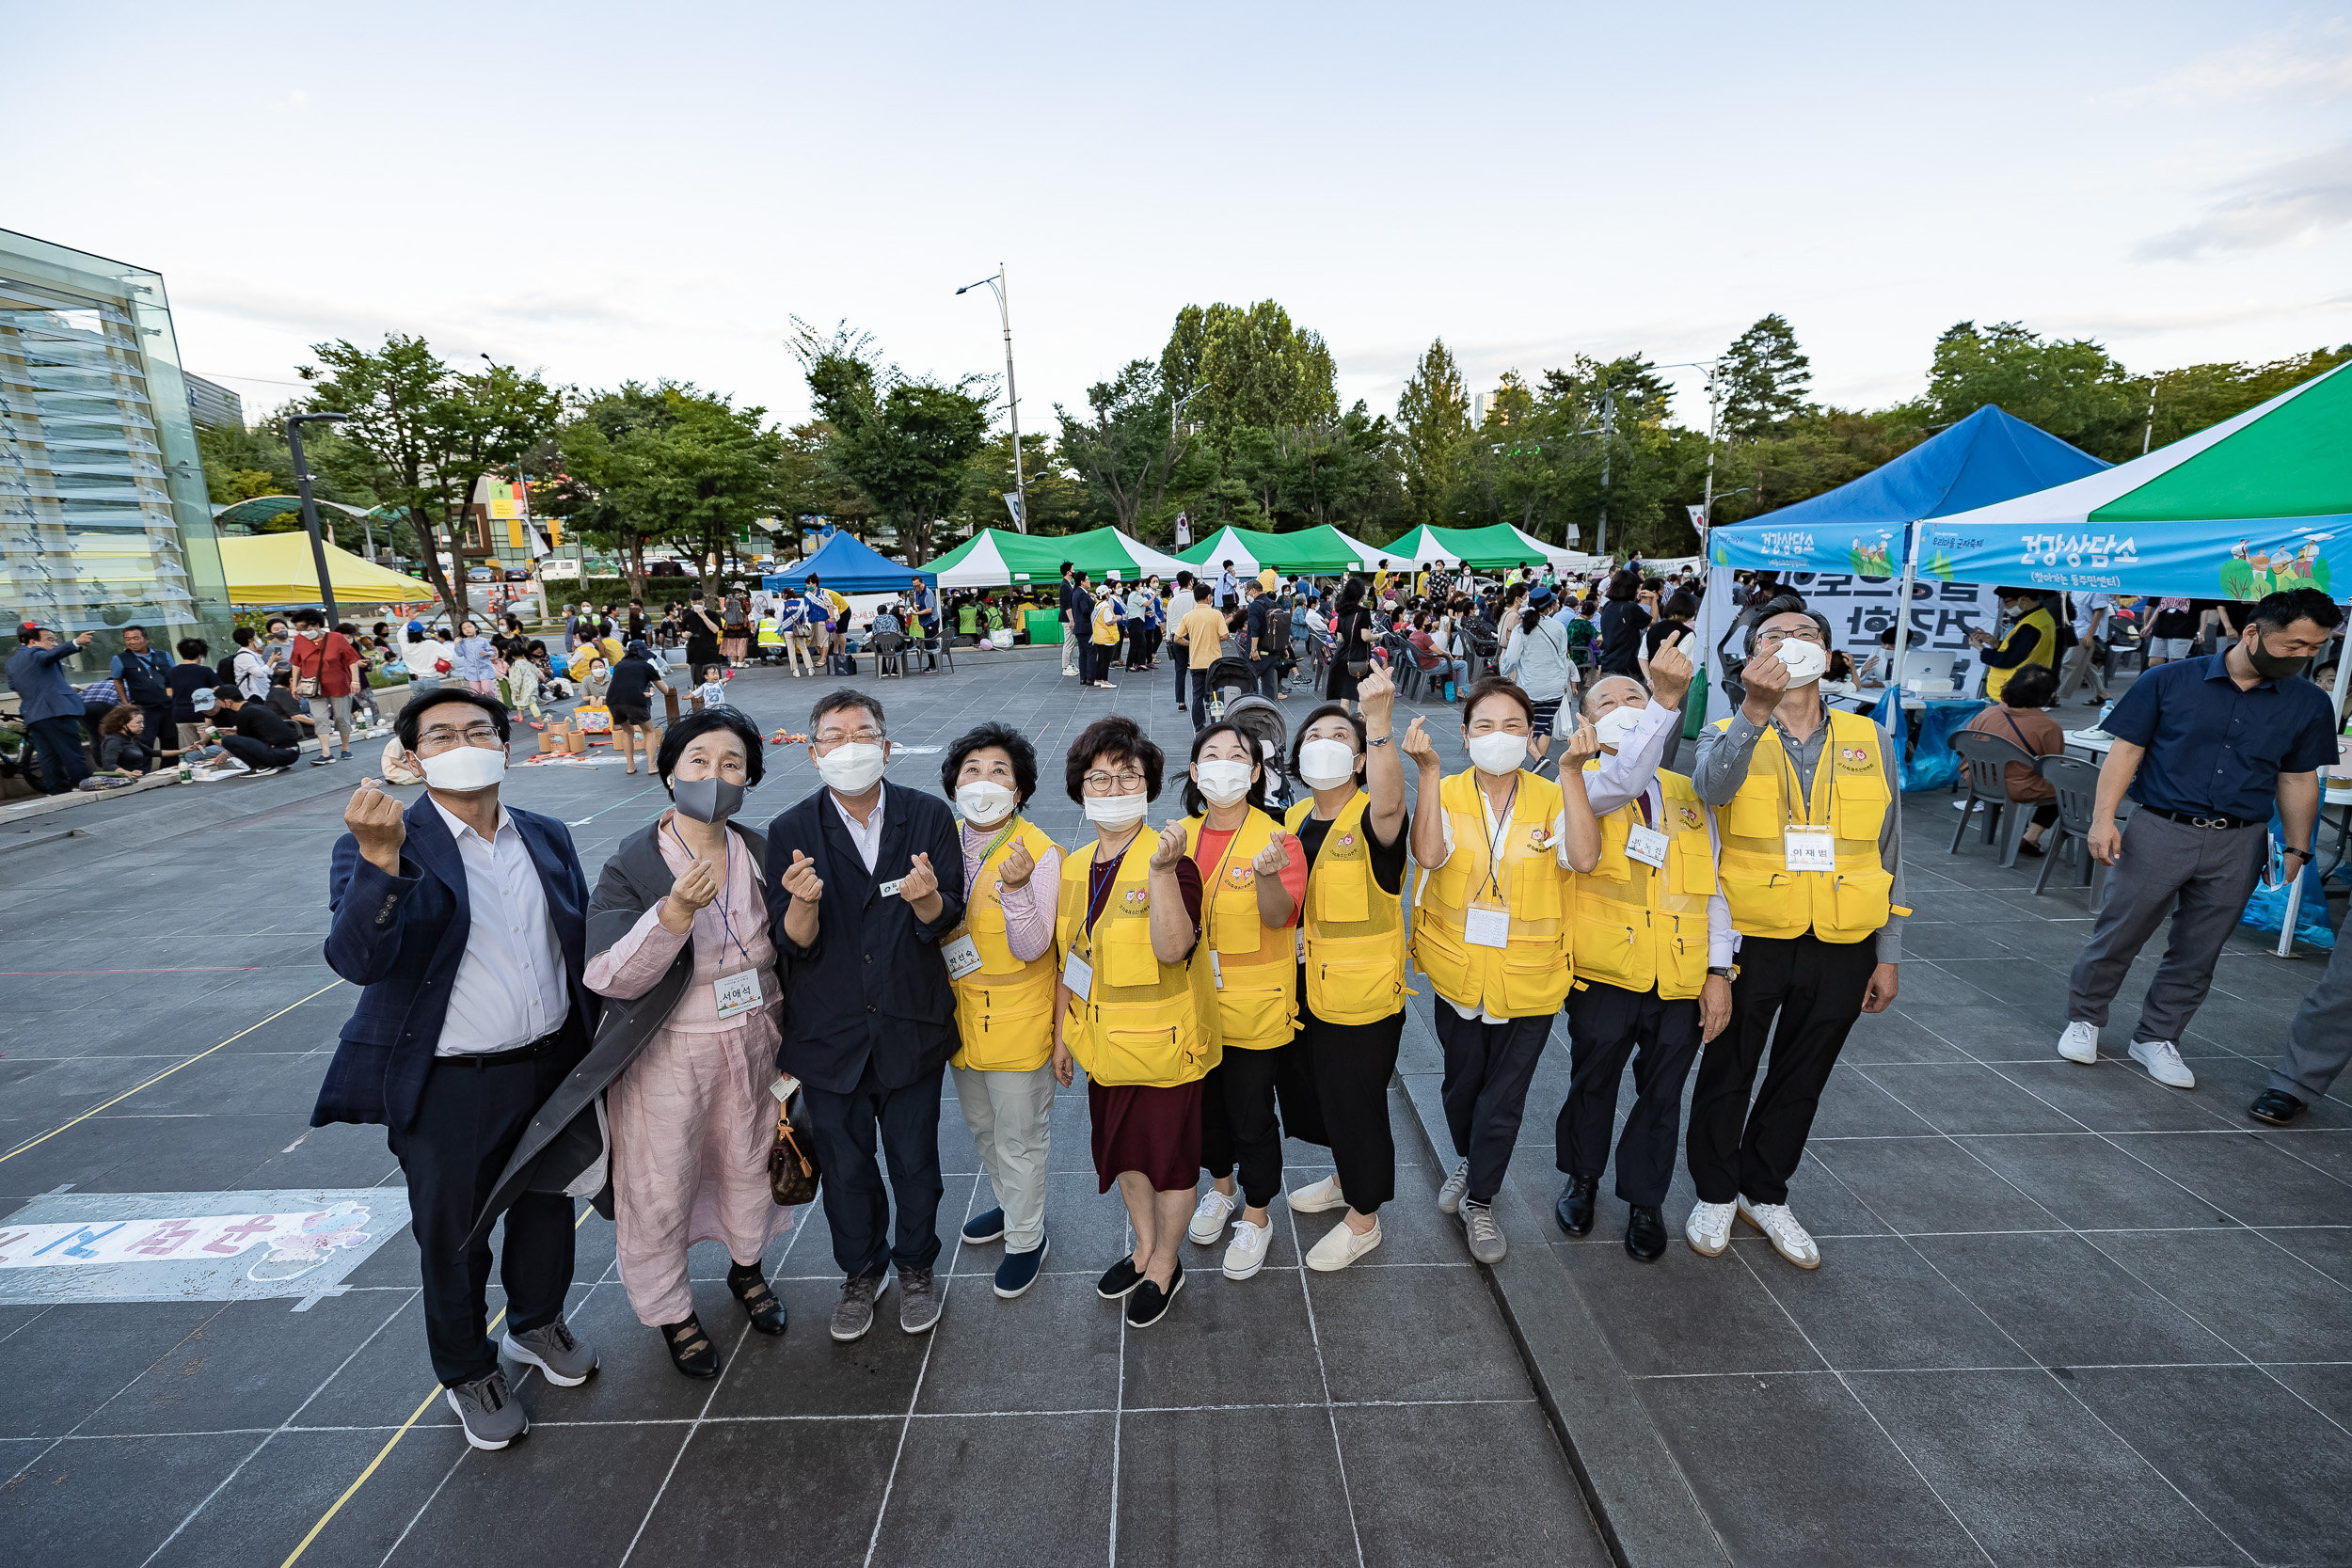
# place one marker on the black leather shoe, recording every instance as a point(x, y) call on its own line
point(691, 1349)
point(1576, 1205)
point(2275, 1106)
point(765, 1309)
point(1645, 1234)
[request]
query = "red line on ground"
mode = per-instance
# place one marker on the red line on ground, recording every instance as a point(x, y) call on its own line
point(199, 969)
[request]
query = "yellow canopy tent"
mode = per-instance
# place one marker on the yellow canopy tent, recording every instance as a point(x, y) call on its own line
point(276, 569)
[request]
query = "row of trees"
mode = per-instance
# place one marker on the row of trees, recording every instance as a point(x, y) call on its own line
point(1237, 420)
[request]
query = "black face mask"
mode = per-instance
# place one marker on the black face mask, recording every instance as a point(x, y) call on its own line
point(2269, 665)
point(712, 799)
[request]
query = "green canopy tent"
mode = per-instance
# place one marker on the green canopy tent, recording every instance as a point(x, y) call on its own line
point(994, 558)
point(1500, 548)
point(1320, 551)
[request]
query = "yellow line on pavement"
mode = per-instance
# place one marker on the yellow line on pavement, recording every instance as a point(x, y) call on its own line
point(166, 1073)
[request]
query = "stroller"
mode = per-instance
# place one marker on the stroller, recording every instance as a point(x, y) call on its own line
point(1229, 673)
point(1262, 721)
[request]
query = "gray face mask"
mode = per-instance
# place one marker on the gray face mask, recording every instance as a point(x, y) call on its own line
point(712, 799)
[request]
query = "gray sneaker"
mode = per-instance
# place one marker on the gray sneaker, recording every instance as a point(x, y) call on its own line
point(563, 1358)
point(1450, 1196)
point(1480, 1230)
point(855, 1314)
point(918, 1304)
point(493, 1416)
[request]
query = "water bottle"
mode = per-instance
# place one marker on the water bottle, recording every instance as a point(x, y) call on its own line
point(2105, 708)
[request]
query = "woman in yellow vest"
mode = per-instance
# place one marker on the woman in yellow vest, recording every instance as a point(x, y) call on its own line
point(1134, 1005)
point(1001, 962)
point(1105, 637)
point(1252, 874)
point(1490, 927)
point(2031, 639)
point(1351, 1011)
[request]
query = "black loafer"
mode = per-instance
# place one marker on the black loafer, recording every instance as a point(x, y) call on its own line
point(1645, 1234)
point(760, 1304)
point(2275, 1106)
point(1118, 1281)
point(691, 1349)
point(1150, 1303)
point(1575, 1208)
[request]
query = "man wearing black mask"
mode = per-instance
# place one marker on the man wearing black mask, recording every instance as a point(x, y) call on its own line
point(2205, 746)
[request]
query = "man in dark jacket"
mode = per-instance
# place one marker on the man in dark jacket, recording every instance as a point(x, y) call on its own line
point(51, 708)
point(864, 878)
point(466, 922)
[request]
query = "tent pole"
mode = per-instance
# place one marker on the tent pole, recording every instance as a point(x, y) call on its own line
point(1902, 628)
point(2343, 671)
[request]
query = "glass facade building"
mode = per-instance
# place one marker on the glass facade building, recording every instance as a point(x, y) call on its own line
point(105, 520)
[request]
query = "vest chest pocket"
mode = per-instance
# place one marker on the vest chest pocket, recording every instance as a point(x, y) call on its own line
point(1763, 897)
point(1254, 1019)
point(986, 913)
point(1604, 949)
point(1124, 946)
point(1340, 898)
point(1862, 898)
point(1536, 893)
point(1860, 804)
point(1530, 988)
point(1754, 812)
point(1690, 866)
point(1236, 913)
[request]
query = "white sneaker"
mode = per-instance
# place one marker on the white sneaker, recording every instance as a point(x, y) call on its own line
point(1324, 1194)
point(1450, 1196)
point(1708, 1228)
point(1781, 1229)
point(1342, 1247)
point(2163, 1062)
point(1247, 1255)
point(1208, 1217)
point(2080, 1042)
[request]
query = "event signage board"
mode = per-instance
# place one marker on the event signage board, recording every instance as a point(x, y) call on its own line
point(1859, 608)
point(2240, 559)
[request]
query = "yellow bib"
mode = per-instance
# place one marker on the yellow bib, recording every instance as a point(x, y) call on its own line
point(1848, 796)
point(1355, 932)
point(1530, 974)
point(1640, 927)
point(1004, 1008)
point(1257, 1004)
point(1142, 1022)
point(2044, 651)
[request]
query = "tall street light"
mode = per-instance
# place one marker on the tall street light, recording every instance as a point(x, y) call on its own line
point(1012, 399)
point(309, 507)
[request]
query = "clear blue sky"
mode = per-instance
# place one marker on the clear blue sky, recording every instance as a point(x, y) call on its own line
point(615, 191)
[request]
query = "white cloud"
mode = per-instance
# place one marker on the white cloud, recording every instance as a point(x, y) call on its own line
point(2299, 60)
point(2299, 200)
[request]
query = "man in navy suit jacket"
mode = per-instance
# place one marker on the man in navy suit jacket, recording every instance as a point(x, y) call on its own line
point(864, 878)
point(466, 925)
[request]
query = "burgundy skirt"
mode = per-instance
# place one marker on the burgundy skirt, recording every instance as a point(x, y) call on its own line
point(1156, 1130)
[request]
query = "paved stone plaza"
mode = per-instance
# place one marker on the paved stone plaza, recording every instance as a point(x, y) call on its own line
point(2065, 1316)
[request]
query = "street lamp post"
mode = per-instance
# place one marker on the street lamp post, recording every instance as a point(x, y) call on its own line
point(309, 507)
point(1013, 399)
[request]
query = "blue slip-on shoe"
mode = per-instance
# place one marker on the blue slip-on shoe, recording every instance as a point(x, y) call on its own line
point(1019, 1270)
point(985, 1227)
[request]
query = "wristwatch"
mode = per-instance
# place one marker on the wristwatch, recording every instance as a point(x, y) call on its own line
point(1729, 972)
point(1381, 740)
point(2308, 856)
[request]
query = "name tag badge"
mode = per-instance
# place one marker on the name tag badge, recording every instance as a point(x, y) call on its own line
point(1487, 926)
point(1078, 975)
point(962, 956)
point(1217, 970)
point(1810, 849)
point(1646, 845)
point(1299, 942)
point(890, 890)
point(783, 1086)
point(736, 993)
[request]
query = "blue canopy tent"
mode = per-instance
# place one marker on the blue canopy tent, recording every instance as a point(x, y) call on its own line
point(846, 566)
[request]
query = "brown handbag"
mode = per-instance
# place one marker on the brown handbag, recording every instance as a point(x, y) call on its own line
point(792, 1170)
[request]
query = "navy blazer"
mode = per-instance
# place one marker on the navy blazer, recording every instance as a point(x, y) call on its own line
point(401, 937)
point(874, 984)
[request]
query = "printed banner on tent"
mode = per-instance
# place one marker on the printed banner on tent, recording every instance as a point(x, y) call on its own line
point(1943, 613)
point(2190, 559)
point(1868, 552)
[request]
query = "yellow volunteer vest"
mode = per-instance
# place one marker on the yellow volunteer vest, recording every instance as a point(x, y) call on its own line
point(1355, 932)
point(2044, 651)
point(1849, 796)
point(1258, 1004)
point(1531, 973)
point(1642, 929)
point(1105, 632)
point(1145, 1022)
point(1004, 1008)
point(770, 635)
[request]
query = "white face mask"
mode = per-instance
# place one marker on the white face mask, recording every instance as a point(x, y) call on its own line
point(852, 768)
point(1326, 764)
point(1116, 811)
point(1222, 781)
point(1614, 726)
point(1806, 661)
point(1498, 752)
point(984, 803)
point(462, 770)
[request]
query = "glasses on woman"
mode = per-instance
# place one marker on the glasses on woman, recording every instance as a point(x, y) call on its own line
point(1125, 781)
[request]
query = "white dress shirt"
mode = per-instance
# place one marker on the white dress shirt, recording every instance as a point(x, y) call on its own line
point(511, 985)
point(1631, 774)
point(867, 835)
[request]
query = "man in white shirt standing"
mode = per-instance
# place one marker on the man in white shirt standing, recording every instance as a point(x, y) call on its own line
point(465, 922)
point(2092, 614)
point(1182, 604)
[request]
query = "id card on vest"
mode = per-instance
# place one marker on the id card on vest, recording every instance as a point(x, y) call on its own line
point(962, 956)
point(1485, 926)
point(1078, 975)
point(736, 993)
point(1646, 845)
point(1810, 849)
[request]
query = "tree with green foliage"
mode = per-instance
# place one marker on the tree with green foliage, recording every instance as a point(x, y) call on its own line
point(1763, 380)
point(1128, 449)
point(2069, 387)
point(907, 441)
point(1433, 419)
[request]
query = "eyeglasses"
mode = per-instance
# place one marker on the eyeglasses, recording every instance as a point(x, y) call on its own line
point(837, 738)
point(1805, 634)
point(1127, 783)
point(472, 735)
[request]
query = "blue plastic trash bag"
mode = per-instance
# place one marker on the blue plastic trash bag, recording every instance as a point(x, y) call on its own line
point(1932, 764)
point(2267, 908)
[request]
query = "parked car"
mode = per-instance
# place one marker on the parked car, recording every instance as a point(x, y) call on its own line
point(518, 574)
point(665, 569)
point(478, 574)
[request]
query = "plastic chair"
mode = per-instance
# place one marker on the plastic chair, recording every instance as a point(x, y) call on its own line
point(887, 654)
point(2078, 783)
point(1983, 771)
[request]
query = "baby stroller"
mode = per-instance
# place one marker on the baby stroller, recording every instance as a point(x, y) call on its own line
point(1262, 721)
point(1230, 674)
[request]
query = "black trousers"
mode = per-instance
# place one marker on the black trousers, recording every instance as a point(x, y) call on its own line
point(468, 1120)
point(856, 1207)
point(1815, 989)
point(1487, 1068)
point(1237, 1125)
point(255, 755)
point(1268, 673)
point(57, 742)
point(1607, 1024)
point(1183, 667)
point(1340, 1089)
